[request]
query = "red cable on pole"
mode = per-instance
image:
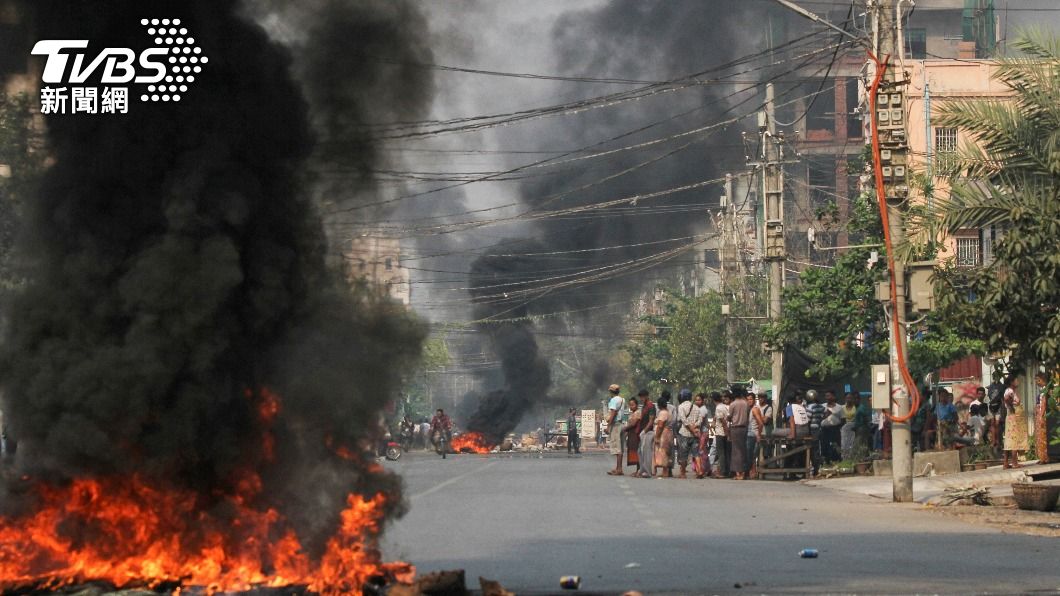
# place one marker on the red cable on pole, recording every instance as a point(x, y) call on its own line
point(896, 328)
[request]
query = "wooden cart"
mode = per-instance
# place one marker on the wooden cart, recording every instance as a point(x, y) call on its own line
point(782, 448)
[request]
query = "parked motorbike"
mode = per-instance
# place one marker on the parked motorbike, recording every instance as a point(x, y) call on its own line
point(393, 451)
point(388, 448)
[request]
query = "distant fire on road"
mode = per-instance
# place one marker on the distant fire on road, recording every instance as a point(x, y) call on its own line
point(472, 442)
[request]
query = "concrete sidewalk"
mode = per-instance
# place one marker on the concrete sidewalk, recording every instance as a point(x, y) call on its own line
point(926, 489)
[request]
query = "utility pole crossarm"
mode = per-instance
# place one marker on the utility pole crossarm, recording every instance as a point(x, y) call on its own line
point(809, 15)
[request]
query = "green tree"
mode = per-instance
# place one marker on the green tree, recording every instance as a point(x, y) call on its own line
point(686, 345)
point(1009, 179)
point(433, 357)
point(833, 314)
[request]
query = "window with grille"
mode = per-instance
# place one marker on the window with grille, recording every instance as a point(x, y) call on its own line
point(967, 252)
point(945, 149)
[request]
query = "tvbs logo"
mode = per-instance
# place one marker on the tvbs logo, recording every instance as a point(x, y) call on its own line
point(167, 68)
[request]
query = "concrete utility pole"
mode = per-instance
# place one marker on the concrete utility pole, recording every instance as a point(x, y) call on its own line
point(893, 145)
point(772, 157)
point(729, 270)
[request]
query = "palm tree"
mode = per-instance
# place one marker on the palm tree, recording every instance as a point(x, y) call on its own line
point(1008, 179)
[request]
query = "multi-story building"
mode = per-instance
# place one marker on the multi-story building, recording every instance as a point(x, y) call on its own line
point(376, 259)
point(950, 38)
point(945, 56)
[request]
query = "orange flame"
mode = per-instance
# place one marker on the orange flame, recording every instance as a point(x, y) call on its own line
point(127, 532)
point(472, 441)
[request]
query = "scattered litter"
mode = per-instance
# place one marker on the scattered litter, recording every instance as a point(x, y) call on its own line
point(928, 471)
point(570, 582)
point(808, 553)
point(737, 585)
point(438, 582)
point(972, 494)
point(632, 565)
point(493, 588)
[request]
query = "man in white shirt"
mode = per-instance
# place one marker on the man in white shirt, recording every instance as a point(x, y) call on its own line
point(721, 439)
point(833, 421)
point(614, 428)
point(688, 431)
point(976, 423)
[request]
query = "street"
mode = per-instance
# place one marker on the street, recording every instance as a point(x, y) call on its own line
point(527, 520)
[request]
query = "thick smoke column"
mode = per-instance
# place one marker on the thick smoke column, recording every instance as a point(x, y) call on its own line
point(357, 62)
point(648, 41)
point(527, 376)
point(177, 271)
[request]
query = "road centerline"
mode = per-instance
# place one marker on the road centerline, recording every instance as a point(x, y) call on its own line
point(452, 480)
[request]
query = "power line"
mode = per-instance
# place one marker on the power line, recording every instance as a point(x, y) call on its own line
point(464, 124)
point(530, 215)
point(556, 160)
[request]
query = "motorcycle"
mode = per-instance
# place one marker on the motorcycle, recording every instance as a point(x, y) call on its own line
point(406, 439)
point(393, 451)
point(389, 448)
point(441, 443)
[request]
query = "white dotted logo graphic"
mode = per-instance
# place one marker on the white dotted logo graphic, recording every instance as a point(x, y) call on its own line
point(183, 64)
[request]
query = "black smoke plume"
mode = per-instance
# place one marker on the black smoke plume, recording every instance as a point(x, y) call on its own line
point(645, 40)
point(177, 269)
point(527, 375)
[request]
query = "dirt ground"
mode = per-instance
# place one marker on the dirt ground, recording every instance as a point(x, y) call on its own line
point(1004, 518)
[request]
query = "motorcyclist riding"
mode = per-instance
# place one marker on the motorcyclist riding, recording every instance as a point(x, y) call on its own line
point(441, 425)
point(407, 430)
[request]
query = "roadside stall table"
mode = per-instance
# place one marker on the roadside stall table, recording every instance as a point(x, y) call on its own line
point(781, 448)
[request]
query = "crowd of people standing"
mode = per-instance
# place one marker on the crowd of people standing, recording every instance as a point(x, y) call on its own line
point(720, 434)
point(706, 435)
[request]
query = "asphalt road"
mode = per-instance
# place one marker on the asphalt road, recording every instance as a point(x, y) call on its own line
point(525, 521)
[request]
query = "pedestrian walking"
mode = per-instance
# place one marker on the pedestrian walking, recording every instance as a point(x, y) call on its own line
point(765, 406)
point(1016, 439)
point(721, 433)
point(863, 431)
point(663, 439)
point(754, 433)
point(817, 412)
point(614, 428)
point(702, 460)
point(830, 425)
point(846, 432)
point(688, 429)
point(573, 440)
point(739, 418)
point(646, 454)
point(425, 433)
point(672, 409)
point(631, 431)
point(946, 417)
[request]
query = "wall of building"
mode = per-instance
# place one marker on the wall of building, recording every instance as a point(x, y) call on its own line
point(377, 259)
point(945, 81)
